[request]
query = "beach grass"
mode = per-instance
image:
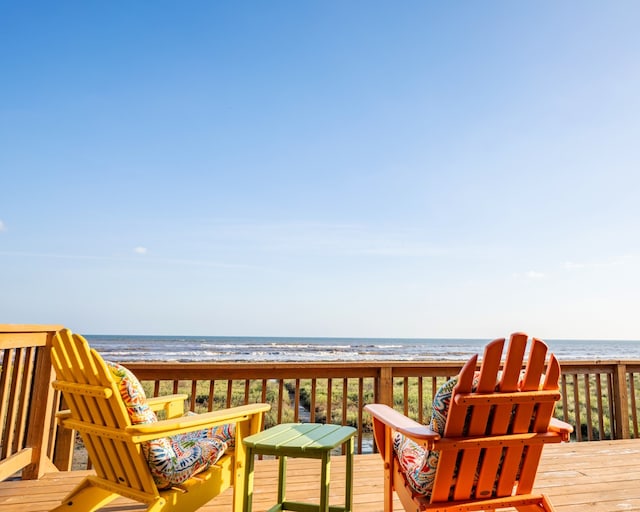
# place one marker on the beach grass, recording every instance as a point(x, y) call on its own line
point(342, 411)
point(585, 402)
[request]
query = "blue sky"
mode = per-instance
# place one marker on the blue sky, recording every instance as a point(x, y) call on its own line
point(365, 168)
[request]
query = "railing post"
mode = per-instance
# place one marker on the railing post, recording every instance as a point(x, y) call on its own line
point(385, 386)
point(41, 415)
point(621, 402)
point(63, 440)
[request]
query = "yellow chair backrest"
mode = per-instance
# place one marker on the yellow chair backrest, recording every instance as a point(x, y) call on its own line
point(99, 413)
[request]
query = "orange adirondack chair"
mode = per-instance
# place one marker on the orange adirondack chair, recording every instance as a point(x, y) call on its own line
point(114, 444)
point(496, 427)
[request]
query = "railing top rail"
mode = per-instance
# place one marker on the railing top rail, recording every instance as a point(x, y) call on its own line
point(162, 365)
point(19, 335)
point(297, 364)
point(598, 362)
point(28, 328)
point(338, 370)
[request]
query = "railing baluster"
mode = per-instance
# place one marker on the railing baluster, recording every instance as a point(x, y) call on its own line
point(329, 400)
point(229, 393)
point(405, 396)
point(420, 400)
point(263, 397)
point(434, 387)
point(212, 392)
point(611, 406)
point(576, 404)
point(312, 407)
point(565, 405)
point(360, 409)
point(194, 395)
point(5, 383)
point(632, 401)
point(25, 396)
point(601, 433)
point(280, 399)
point(345, 399)
point(10, 431)
point(296, 402)
point(587, 399)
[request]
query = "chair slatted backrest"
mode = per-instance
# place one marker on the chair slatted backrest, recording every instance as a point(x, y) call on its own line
point(497, 422)
point(98, 412)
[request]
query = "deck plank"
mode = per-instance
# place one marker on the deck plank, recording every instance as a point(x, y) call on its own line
point(599, 476)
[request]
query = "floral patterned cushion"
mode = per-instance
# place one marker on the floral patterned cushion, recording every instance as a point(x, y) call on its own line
point(418, 464)
point(132, 394)
point(172, 460)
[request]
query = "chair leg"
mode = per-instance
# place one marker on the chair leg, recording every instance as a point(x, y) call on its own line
point(85, 498)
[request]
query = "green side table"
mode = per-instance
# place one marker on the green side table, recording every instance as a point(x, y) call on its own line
point(307, 440)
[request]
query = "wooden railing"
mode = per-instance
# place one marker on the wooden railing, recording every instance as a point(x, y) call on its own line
point(27, 401)
point(601, 398)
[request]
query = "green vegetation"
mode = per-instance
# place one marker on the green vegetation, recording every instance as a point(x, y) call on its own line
point(592, 407)
point(592, 413)
point(241, 393)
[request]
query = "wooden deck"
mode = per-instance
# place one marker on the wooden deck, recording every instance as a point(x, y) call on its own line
point(599, 476)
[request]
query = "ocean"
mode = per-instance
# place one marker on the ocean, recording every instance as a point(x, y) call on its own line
point(124, 348)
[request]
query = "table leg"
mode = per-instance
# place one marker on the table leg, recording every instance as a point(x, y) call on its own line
point(282, 476)
point(348, 491)
point(324, 481)
point(248, 481)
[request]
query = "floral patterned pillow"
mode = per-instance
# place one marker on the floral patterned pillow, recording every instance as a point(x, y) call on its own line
point(172, 460)
point(418, 464)
point(132, 394)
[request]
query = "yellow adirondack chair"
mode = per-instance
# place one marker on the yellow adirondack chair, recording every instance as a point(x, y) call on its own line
point(497, 423)
point(114, 445)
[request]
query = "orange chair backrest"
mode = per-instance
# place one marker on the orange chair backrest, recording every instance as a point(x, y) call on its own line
point(492, 436)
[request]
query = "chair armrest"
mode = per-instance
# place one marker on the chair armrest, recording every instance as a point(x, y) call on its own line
point(562, 428)
point(417, 432)
point(172, 405)
point(173, 426)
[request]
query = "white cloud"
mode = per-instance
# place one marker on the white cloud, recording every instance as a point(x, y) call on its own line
point(140, 250)
point(3, 226)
